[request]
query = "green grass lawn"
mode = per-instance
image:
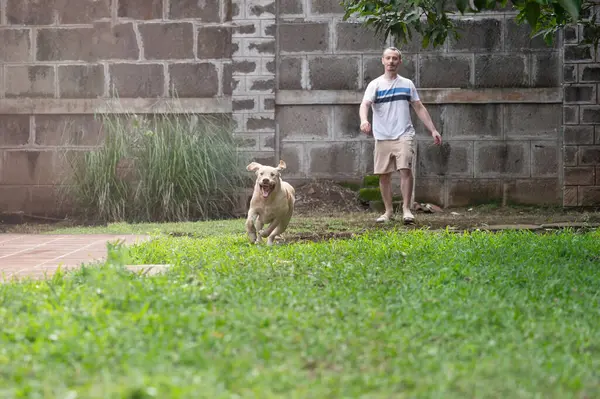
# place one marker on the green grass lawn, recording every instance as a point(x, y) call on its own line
point(387, 314)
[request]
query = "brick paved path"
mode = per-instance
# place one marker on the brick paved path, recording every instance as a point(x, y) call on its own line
point(38, 255)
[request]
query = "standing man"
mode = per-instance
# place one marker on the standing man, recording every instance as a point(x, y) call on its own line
point(389, 96)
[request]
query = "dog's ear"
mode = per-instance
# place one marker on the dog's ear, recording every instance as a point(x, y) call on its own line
point(253, 166)
point(281, 166)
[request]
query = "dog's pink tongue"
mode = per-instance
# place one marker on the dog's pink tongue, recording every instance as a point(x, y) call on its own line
point(265, 192)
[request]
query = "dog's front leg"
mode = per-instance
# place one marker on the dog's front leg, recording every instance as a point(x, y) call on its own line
point(250, 227)
point(278, 230)
point(259, 225)
point(269, 230)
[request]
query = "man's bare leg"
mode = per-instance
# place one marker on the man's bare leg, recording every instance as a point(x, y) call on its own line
point(385, 187)
point(406, 186)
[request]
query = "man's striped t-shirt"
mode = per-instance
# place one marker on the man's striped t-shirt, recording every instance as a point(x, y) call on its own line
point(391, 109)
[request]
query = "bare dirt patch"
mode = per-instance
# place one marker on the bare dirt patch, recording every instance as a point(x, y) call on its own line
point(324, 197)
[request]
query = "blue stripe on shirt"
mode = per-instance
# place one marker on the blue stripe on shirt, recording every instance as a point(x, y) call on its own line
point(388, 99)
point(395, 90)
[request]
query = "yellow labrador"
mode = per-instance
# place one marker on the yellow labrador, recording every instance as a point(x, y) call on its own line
point(272, 202)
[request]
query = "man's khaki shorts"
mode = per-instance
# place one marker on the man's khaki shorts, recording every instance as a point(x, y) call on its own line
point(392, 155)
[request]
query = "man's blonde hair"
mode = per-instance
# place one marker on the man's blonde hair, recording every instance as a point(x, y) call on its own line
point(393, 49)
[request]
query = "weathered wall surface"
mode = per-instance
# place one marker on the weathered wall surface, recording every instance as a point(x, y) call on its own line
point(291, 74)
point(493, 94)
point(63, 59)
point(581, 151)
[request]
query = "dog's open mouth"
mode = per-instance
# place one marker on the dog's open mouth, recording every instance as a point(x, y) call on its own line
point(266, 189)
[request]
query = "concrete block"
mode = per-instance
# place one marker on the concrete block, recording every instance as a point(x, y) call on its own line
point(570, 196)
point(268, 28)
point(435, 112)
point(81, 81)
point(245, 66)
point(244, 103)
point(589, 155)
point(414, 44)
point(290, 73)
point(261, 9)
point(571, 114)
point(29, 81)
point(69, 130)
point(367, 164)
point(446, 71)
point(259, 46)
point(261, 84)
point(517, 37)
point(544, 159)
point(355, 37)
point(464, 192)
point(430, 190)
point(260, 122)
point(496, 159)
point(14, 199)
point(29, 12)
point(590, 114)
point(570, 73)
point(214, 42)
point(193, 80)
point(472, 121)
point(597, 134)
point(454, 158)
point(335, 159)
point(535, 192)
point(545, 69)
point(318, 7)
point(267, 142)
point(304, 37)
point(163, 41)
point(268, 65)
point(14, 130)
point(15, 45)
point(293, 155)
point(303, 122)
point(227, 81)
point(570, 34)
point(204, 11)
point(570, 155)
point(477, 35)
point(346, 122)
point(245, 30)
point(333, 73)
point(589, 196)
point(102, 42)
point(589, 73)
point(579, 176)
point(291, 7)
point(373, 68)
point(246, 142)
point(25, 168)
point(140, 9)
point(578, 53)
point(82, 11)
point(507, 70)
point(137, 80)
point(578, 135)
point(580, 94)
point(532, 120)
point(267, 103)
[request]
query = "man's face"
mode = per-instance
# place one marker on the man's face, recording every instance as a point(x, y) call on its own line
point(390, 60)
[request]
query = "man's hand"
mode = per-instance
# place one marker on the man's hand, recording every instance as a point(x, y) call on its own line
point(365, 127)
point(437, 138)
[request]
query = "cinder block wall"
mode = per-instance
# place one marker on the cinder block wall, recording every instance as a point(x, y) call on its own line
point(581, 151)
point(291, 74)
point(62, 61)
point(494, 95)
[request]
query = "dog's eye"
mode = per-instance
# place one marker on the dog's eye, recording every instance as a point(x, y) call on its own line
point(272, 174)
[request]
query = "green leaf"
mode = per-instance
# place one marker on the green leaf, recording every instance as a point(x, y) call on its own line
point(532, 13)
point(572, 7)
point(462, 5)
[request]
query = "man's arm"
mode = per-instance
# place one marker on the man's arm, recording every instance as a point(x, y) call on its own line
point(365, 126)
point(424, 116)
